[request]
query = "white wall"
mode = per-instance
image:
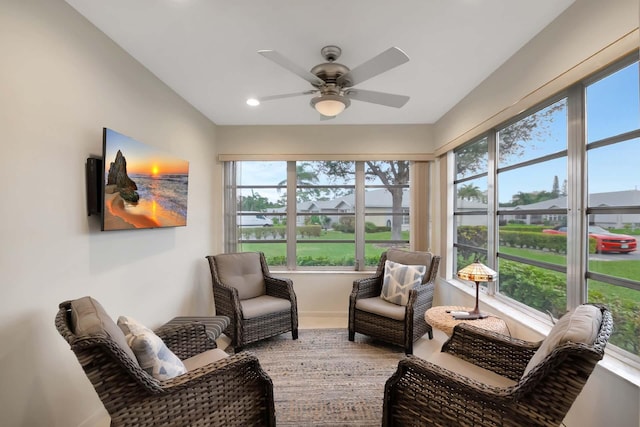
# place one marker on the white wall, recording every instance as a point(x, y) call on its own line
point(61, 81)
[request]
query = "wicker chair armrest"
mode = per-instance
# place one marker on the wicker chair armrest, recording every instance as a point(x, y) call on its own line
point(279, 287)
point(187, 339)
point(433, 395)
point(223, 370)
point(227, 301)
point(496, 352)
point(367, 287)
point(420, 300)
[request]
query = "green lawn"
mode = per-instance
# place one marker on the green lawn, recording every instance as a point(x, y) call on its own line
point(628, 269)
point(340, 253)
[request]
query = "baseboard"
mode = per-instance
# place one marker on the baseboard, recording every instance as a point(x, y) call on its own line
point(324, 314)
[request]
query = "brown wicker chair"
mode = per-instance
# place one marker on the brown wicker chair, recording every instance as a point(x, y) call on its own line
point(259, 305)
point(232, 391)
point(367, 311)
point(492, 383)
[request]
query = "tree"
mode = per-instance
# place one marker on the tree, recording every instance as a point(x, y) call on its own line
point(392, 174)
point(254, 202)
point(555, 190)
point(305, 177)
point(470, 192)
point(472, 158)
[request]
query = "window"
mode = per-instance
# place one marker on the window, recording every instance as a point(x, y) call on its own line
point(532, 184)
point(613, 205)
point(471, 203)
point(555, 248)
point(337, 214)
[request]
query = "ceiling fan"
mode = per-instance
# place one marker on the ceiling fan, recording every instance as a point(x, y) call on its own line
point(333, 82)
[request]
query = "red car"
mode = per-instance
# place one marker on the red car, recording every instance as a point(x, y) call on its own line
point(606, 241)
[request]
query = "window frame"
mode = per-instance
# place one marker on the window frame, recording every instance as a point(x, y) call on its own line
point(233, 240)
point(578, 210)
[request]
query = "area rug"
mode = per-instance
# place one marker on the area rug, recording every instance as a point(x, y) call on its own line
point(323, 379)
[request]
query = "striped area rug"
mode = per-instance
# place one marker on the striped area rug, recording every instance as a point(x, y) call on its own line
point(323, 379)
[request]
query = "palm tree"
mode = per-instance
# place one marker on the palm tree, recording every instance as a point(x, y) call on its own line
point(470, 192)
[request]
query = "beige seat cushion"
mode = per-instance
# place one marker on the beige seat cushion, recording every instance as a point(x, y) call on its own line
point(263, 305)
point(469, 370)
point(204, 358)
point(579, 326)
point(89, 319)
point(377, 305)
point(243, 272)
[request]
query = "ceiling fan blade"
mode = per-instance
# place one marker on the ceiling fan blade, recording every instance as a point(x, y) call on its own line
point(294, 68)
point(385, 61)
point(382, 98)
point(286, 95)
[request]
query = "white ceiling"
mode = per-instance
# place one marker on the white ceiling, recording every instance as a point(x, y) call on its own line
point(205, 50)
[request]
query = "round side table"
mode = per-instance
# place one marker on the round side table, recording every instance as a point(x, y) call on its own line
point(438, 318)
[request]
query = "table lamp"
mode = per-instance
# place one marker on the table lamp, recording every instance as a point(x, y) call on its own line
point(476, 272)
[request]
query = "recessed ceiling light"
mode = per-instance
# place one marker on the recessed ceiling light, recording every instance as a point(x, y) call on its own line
point(253, 102)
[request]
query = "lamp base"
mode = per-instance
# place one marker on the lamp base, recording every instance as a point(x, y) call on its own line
point(470, 316)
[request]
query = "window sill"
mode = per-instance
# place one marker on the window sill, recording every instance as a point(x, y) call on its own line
point(303, 272)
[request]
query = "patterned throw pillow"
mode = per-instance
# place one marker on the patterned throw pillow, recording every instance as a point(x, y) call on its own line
point(399, 279)
point(152, 353)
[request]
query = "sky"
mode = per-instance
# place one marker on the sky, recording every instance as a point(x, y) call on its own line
point(142, 158)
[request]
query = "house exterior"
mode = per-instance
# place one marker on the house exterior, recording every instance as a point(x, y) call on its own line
point(596, 200)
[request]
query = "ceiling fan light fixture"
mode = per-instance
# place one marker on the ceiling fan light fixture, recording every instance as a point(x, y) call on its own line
point(330, 105)
point(253, 102)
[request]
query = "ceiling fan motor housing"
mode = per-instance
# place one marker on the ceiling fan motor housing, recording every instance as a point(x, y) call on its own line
point(330, 72)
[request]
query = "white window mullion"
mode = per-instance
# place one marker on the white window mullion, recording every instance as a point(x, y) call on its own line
point(577, 240)
point(292, 215)
point(360, 217)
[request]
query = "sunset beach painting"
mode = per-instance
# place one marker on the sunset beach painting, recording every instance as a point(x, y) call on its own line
point(143, 187)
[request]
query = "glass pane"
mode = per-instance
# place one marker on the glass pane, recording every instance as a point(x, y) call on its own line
point(275, 253)
point(252, 201)
point(372, 251)
point(464, 257)
point(541, 289)
point(471, 195)
point(541, 133)
point(383, 172)
point(613, 104)
point(613, 238)
point(251, 173)
point(539, 186)
point(387, 208)
point(471, 230)
point(472, 159)
point(326, 254)
point(535, 237)
point(614, 179)
point(624, 304)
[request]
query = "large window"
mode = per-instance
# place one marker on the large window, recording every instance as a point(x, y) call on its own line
point(558, 187)
point(331, 214)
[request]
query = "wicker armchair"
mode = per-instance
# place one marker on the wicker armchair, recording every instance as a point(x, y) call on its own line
point(259, 305)
point(495, 380)
point(369, 314)
point(230, 391)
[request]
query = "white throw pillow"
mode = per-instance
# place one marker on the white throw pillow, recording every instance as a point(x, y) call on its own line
point(152, 353)
point(399, 279)
point(580, 326)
